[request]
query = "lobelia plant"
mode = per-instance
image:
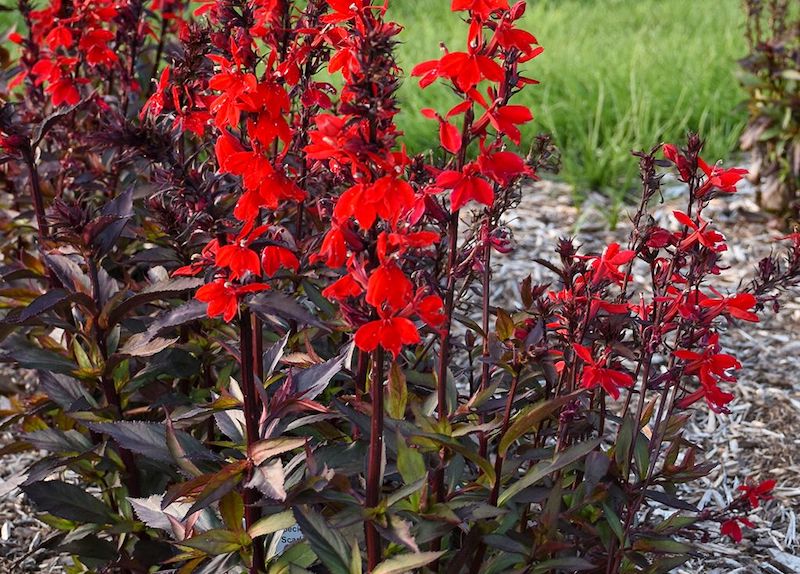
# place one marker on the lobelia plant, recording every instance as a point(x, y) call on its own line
point(249, 310)
point(771, 76)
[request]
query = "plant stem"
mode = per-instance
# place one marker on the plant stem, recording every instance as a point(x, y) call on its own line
point(498, 463)
point(375, 459)
point(42, 228)
point(251, 496)
point(486, 280)
point(444, 343)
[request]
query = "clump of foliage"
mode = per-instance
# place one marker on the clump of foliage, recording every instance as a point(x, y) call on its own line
point(771, 76)
point(252, 313)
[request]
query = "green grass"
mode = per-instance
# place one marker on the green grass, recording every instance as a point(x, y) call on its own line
point(616, 75)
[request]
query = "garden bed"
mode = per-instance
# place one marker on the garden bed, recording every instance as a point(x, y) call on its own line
point(757, 441)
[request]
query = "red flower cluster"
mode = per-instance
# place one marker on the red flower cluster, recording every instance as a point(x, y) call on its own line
point(258, 135)
point(752, 495)
point(594, 302)
point(381, 226)
point(75, 45)
point(495, 48)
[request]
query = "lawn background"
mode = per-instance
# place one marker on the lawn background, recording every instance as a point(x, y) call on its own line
point(615, 75)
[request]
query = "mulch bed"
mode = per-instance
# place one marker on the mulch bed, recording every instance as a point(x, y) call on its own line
point(760, 439)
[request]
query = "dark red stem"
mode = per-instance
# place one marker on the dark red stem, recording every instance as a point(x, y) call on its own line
point(375, 459)
point(252, 415)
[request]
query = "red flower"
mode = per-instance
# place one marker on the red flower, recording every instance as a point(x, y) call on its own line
point(389, 288)
point(505, 120)
point(597, 374)
point(509, 37)
point(343, 10)
point(94, 44)
point(607, 265)
point(275, 257)
point(155, 103)
point(503, 167)
point(724, 180)
point(223, 297)
point(231, 84)
point(62, 87)
point(389, 197)
point(268, 102)
point(391, 334)
point(700, 233)
point(264, 187)
point(757, 493)
point(465, 70)
point(238, 256)
point(207, 257)
point(673, 154)
point(431, 310)
point(343, 288)
point(58, 37)
point(333, 249)
point(449, 136)
point(731, 528)
point(482, 8)
point(736, 306)
point(467, 186)
point(709, 365)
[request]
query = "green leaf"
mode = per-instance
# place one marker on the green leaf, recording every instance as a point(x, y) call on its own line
point(406, 562)
point(158, 291)
point(269, 479)
point(309, 383)
point(529, 418)
point(570, 564)
point(68, 501)
point(667, 564)
point(410, 461)
point(143, 345)
point(675, 523)
point(68, 272)
point(116, 214)
point(186, 313)
point(217, 541)
point(218, 485)
point(396, 393)
point(459, 448)
point(150, 440)
point(355, 559)
point(23, 354)
point(178, 453)
point(50, 300)
point(545, 468)
point(271, 306)
point(326, 542)
point(504, 325)
point(613, 522)
point(231, 508)
point(622, 449)
point(267, 448)
point(661, 546)
point(208, 488)
point(272, 523)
